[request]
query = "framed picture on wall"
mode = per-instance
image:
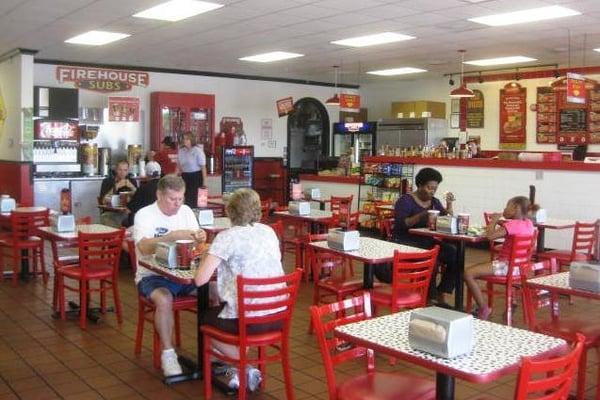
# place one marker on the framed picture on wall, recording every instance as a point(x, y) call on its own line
point(454, 106)
point(454, 120)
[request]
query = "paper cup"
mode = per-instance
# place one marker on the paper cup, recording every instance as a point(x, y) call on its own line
point(463, 223)
point(184, 253)
point(432, 216)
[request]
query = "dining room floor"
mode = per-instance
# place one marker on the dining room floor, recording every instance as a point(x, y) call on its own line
point(44, 358)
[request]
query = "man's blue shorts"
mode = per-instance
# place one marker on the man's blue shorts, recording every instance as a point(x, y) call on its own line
point(148, 284)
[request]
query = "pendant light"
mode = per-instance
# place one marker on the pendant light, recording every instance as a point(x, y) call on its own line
point(462, 90)
point(335, 99)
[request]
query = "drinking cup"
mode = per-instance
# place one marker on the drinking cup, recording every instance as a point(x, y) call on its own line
point(432, 216)
point(463, 223)
point(184, 253)
point(123, 198)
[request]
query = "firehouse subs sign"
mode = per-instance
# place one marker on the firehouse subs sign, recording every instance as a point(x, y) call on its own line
point(102, 80)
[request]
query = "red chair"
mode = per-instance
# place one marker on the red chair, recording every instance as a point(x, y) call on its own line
point(146, 310)
point(341, 207)
point(24, 244)
point(410, 281)
point(495, 245)
point(387, 225)
point(520, 259)
point(253, 297)
point(265, 209)
point(584, 239)
point(294, 234)
point(278, 228)
point(566, 328)
point(98, 261)
point(372, 384)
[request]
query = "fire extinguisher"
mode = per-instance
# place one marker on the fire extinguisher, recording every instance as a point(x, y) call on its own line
point(65, 201)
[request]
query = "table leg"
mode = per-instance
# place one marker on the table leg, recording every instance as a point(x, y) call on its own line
point(444, 387)
point(460, 271)
point(367, 276)
point(541, 239)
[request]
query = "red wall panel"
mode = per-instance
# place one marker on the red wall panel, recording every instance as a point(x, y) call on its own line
point(16, 179)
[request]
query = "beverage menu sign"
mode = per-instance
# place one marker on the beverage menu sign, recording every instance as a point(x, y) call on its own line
point(594, 116)
point(546, 115)
point(575, 88)
point(123, 109)
point(513, 102)
point(475, 110)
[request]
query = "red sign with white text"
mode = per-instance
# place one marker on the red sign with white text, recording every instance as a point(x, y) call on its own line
point(575, 88)
point(349, 101)
point(101, 79)
point(513, 113)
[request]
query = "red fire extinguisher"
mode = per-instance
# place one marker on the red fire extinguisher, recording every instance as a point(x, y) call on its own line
point(65, 201)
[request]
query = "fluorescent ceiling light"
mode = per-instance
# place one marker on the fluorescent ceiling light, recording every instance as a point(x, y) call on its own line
point(531, 15)
point(272, 56)
point(397, 71)
point(598, 49)
point(372, 40)
point(176, 10)
point(500, 61)
point(97, 38)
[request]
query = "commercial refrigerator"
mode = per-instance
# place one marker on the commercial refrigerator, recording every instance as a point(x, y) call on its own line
point(361, 136)
point(237, 167)
point(408, 132)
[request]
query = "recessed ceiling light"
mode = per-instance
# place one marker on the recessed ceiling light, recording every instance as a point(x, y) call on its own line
point(530, 15)
point(97, 38)
point(500, 61)
point(397, 71)
point(176, 10)
point(272, 56)
point(372, 40)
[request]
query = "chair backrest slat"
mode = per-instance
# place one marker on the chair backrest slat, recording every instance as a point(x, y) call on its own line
point(100, 249)
point(25, 223)
point(584, 239)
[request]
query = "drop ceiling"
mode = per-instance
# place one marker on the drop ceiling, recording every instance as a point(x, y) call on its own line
point(214, 41)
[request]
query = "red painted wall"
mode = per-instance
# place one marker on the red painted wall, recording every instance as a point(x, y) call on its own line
point(16, 179)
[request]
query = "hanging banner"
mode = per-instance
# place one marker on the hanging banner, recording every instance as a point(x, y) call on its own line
point(285, 106)
point(350, 102)
point(101, 79)
point(475, 110)
point(123, 109)
point(575, 88)
point(513, 113)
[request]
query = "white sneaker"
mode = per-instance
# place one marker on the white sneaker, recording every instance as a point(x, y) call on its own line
point(234, 378)
point(253, 375)
point(169, 363)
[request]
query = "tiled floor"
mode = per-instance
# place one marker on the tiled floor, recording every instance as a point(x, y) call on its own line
point(42, 358)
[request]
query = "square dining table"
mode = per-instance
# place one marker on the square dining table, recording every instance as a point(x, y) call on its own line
point(220, 224)
point(559, 284)
point(497, 349)
point(371, 252)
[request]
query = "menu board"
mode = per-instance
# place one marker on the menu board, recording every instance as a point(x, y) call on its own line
point(513, 101)
point(546, 115)
point(594, 116)
point(573, 120)
point(475, 110)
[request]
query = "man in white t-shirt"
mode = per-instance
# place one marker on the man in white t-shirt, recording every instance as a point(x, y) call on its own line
point(167, 219)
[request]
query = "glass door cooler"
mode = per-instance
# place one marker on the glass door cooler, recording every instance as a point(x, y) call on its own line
point(358, 135)
point(237, 167)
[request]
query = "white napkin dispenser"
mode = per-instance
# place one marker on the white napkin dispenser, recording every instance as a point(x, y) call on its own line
point(7, 203)
point(447, 224)
point(313, 193)
point(299, 207)
point(585, 276)
point(166, 254)
point(343, 240)
point(65, 223)
point(441, 332)
point(206, 217)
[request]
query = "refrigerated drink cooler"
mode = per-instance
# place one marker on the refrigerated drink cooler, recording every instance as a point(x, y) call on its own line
point(361, 136)
point(237, 167)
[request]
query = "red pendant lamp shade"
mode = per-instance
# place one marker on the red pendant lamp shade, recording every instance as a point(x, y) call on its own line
point(462, 90)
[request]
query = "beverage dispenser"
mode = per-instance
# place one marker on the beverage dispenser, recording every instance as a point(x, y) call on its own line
point(134, 153)
point(89, 158)
point(104, 161)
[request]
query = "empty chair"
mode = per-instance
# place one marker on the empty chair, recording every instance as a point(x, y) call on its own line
point(584, 239)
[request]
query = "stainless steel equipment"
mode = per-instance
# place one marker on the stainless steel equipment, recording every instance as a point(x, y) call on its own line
point(407, 132)
point(104, 161)
point(166, 254)
point(343, 240)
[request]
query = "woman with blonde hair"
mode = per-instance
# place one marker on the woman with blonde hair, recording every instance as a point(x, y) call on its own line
point(250, 249)
point(192, 165)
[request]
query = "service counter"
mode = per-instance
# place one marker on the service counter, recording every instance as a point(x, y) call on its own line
point(330, 185)
point(566, 189)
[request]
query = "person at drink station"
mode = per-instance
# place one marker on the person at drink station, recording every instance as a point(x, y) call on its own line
point(165, 220)
point(411, 211)
point(250, 249)
point(192, 165)
point(167, 156)
point(112, 185)
point(516, 222)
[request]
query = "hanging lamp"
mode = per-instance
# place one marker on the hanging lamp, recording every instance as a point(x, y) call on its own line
point(462, 90)
point(335, 99)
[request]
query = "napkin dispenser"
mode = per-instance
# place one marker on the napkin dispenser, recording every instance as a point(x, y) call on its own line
point(206, 217)
point(441, 332)
point(313, 193)
point(65, 223)
point(585, 276)
point(299, 207)
point(7, 203)
point(447, 224)
point(166, 254)
point(343, 240)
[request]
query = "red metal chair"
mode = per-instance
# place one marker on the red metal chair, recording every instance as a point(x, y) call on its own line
point(24, 244)
point(520, 259)
point(582, 247)
point(387, 225)
point(495, 245)
point(370, 385)
point(293, 242)
point(98, 261)
point(278, 300)
point(265, 209)
point(410, 281)
point(341, 207)
point(567, 328)
point(278, 228)
point(146, 310)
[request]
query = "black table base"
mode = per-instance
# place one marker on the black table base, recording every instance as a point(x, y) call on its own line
point(444, 387)
point(94, 314)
